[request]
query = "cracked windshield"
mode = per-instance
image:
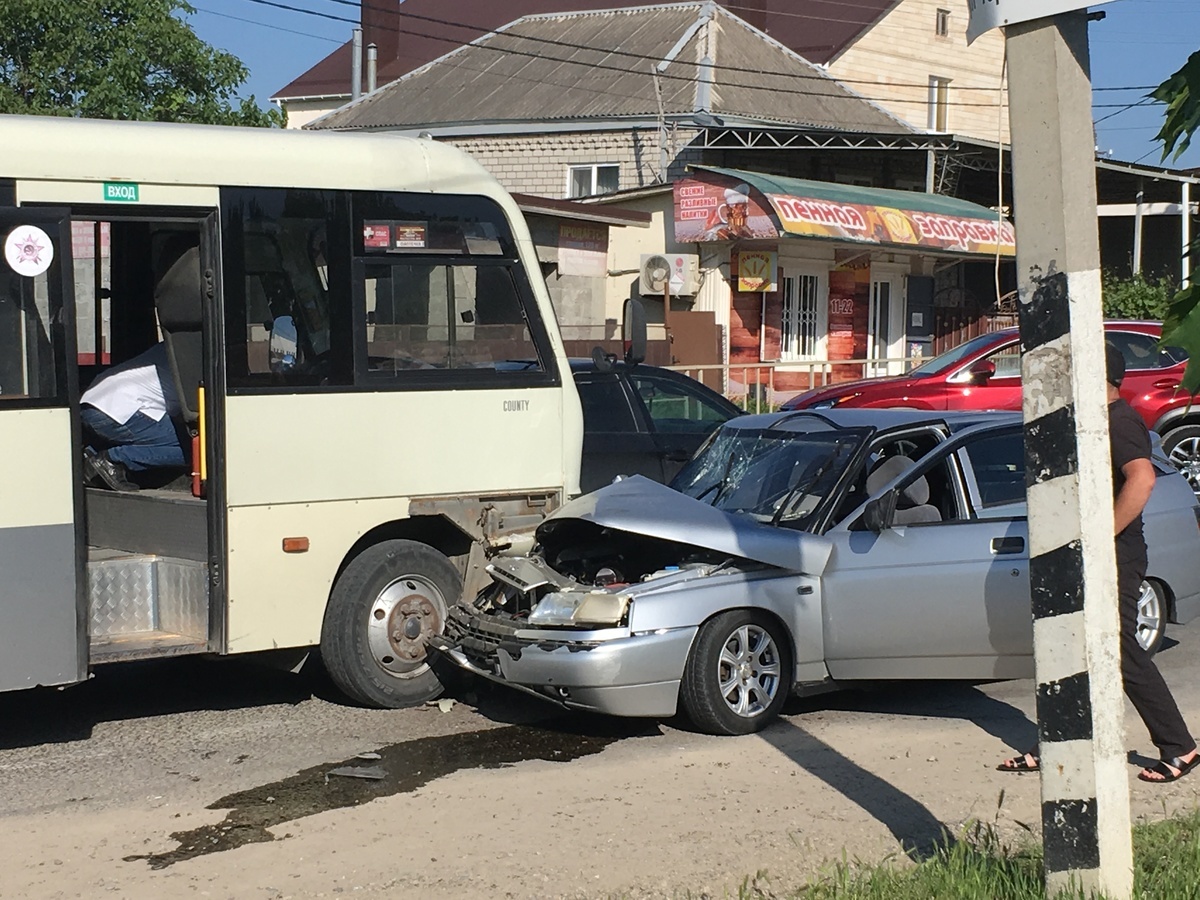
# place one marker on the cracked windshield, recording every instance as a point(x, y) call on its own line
point(774, 476)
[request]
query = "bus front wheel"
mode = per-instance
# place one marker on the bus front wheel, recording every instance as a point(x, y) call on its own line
point(385, 606)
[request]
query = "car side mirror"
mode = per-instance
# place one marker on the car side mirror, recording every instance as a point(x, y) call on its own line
point(633, 331)
point(283, 344)
point(881, 511)
point(982, 371)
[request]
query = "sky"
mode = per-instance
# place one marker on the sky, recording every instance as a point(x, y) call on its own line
point(1136, 46)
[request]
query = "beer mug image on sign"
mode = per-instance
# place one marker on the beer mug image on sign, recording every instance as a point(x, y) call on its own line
point(28, 250)
point(735, 212)
point(732, 218)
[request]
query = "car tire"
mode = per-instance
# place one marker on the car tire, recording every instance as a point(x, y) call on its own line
point(1151, 616)
point(738, 674)
point(382, 611)
point(1182, 447)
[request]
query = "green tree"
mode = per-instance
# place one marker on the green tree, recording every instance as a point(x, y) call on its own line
point(118, 59)
point(1181, 94)
point(1137, 297)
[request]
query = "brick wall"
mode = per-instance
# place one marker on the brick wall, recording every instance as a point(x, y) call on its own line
point(537, 164)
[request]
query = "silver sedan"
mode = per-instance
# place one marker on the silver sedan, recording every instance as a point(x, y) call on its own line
point(794, 553)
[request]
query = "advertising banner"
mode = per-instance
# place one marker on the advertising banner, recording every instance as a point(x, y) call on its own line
point(756, 270)
point(583, 250)
point(717, 209)
point(807, 217)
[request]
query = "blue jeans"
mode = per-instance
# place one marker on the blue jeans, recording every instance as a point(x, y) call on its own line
point(140, 444)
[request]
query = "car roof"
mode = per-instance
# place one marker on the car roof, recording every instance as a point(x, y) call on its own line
point(1145, 326)
point(880, 419)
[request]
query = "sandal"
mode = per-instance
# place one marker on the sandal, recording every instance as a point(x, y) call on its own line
point(1022, 764)
point(1164, 768)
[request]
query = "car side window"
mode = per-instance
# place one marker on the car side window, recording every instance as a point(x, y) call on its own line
point(605, 406)
point(998, 464)
point(675, 406)
point(914, 446)
point(1007, 361)
point(1141, 351)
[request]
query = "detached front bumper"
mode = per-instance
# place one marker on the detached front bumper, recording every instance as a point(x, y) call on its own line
point(599, 671)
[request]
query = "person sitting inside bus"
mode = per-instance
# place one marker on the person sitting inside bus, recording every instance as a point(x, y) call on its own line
point(128, 416)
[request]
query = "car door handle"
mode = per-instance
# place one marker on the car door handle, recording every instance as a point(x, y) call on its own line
point(1008, 545)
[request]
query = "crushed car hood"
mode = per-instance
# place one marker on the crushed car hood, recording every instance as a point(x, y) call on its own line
point(638, 505)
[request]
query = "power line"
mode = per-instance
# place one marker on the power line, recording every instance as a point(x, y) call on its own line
point(307, 34)
point(1143, 102)
point(480, 31)
point(600, 66)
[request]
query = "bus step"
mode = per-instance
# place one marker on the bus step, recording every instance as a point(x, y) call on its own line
point(143, 605)
point(144, 645)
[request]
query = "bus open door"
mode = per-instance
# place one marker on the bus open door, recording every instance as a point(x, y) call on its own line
point(43, 610)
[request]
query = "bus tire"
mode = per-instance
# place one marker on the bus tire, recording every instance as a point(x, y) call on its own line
point(384, 607)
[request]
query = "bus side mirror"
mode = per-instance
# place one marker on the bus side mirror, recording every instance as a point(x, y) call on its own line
point(633, 331)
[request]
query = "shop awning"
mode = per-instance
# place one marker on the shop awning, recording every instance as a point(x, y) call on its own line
point(715, 204)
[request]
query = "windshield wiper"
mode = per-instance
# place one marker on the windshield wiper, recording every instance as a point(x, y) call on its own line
point(722, 484)
point(804, 483)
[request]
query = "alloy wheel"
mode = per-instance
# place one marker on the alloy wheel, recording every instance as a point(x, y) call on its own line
point(1150, 617)
point(1185, 456)
point(748, 671)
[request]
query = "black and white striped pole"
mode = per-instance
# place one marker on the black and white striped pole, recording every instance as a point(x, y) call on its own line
point(1072, 565)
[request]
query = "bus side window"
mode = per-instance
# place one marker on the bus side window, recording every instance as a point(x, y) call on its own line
point(27, 315)
point(444, 294)
point(276, 260)
point(444, 317)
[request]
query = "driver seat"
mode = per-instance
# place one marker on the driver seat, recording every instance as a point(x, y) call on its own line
point(913, 507)
point(178, 299)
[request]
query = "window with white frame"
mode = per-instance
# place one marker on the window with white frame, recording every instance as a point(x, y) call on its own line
point(800, 334)
point(593, 179)
point(939, 103)
point(942, 24)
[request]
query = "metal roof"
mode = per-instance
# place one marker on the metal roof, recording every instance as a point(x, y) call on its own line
point(600, 69)
point(413, 33)
point(917, 201)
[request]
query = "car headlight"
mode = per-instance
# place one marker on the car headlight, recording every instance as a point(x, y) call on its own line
point(577, 608)
point(832, 402)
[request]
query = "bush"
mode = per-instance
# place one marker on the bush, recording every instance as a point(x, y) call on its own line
point(1137, 297)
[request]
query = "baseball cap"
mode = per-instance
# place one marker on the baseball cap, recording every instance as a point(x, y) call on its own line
point(1114, 365)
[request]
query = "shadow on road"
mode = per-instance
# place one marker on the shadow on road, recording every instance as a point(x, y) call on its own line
point(931, 700)
point(918, 831)
point(166, 687)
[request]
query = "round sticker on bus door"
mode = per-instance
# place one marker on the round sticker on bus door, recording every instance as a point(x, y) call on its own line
point(29, 250)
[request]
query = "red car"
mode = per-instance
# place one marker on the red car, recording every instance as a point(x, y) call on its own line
point(985, 373)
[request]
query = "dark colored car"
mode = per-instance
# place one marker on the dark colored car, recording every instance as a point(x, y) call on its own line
point(985, 373)
point(642, 420)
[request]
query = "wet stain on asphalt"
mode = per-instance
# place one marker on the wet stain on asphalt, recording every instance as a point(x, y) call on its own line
point(404, 767)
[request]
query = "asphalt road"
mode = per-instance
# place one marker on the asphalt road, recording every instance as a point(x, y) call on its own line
point(141, 745)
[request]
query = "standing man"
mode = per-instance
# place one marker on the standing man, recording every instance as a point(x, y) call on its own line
point(128, 415)
point(1133, 481)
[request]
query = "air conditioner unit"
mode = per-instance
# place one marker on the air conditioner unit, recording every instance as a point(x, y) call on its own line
point(679, 271)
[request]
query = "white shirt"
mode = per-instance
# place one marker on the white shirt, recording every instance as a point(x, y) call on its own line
point(143, 385)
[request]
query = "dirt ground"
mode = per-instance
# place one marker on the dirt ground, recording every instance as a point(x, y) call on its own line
point(473, 803)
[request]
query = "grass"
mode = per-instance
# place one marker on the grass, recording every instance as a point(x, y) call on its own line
point(978, 866)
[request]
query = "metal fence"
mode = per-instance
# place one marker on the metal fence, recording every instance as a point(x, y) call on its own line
point(763, 387)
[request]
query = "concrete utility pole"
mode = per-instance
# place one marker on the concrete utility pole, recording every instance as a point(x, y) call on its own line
point(1072, 565)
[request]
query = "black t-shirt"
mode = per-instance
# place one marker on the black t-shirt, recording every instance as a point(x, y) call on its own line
point(1129, 440)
